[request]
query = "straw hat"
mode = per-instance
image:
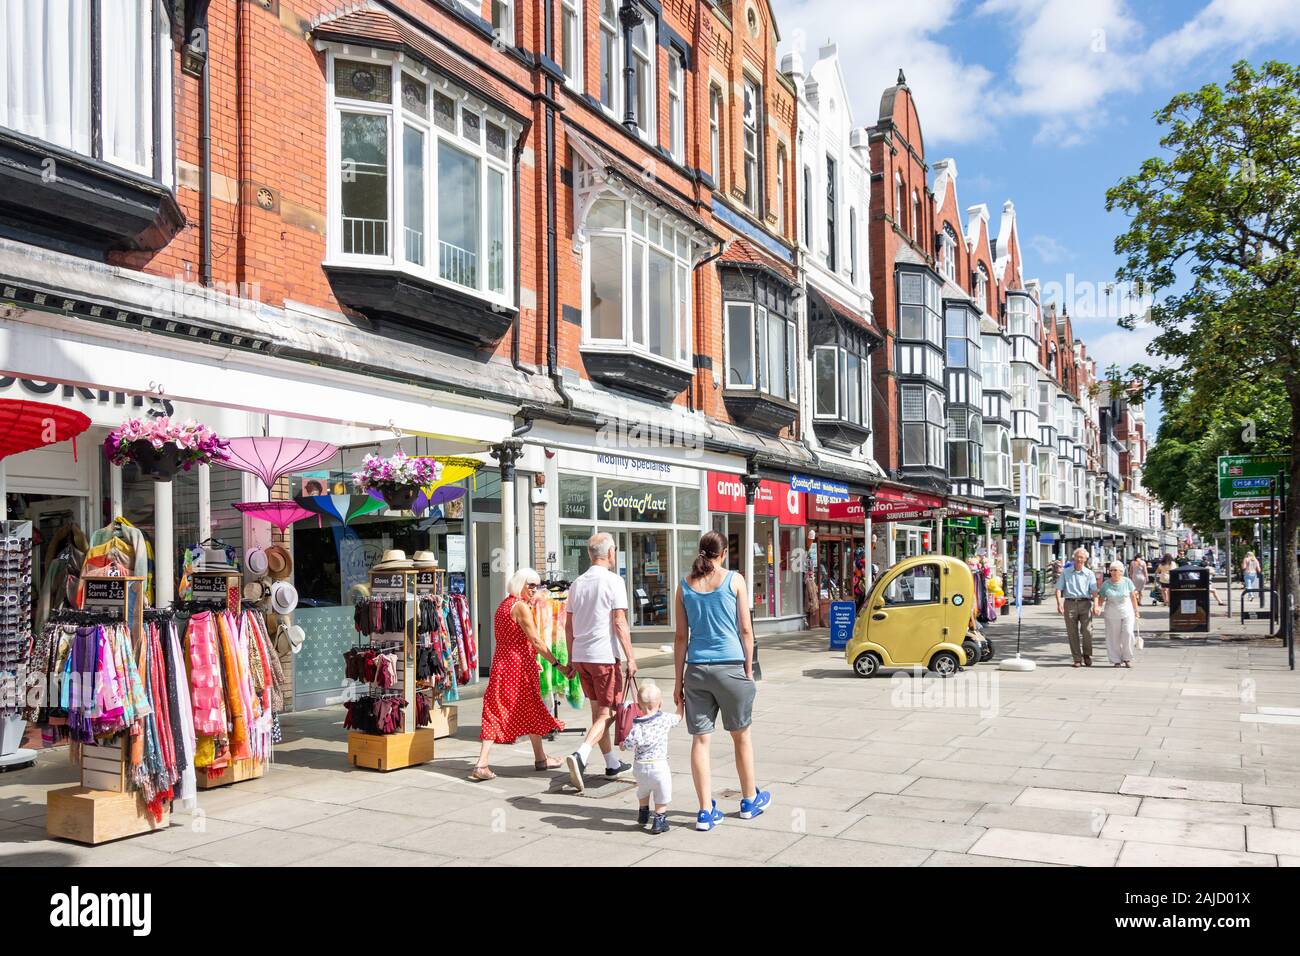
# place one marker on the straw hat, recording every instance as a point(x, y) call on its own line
point(279, 563)
point(214, 559)
point(394, 561)
point(256, 591)
point(424, 559)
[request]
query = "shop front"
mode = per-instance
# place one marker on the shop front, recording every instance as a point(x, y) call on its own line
point(837, 533)
point(907, 519)
point(69, 492)
point(653, 511)
point(778, 547)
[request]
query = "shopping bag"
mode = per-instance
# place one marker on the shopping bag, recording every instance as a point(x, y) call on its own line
point(627, 712)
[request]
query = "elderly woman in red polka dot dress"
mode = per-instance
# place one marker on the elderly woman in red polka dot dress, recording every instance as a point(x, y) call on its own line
point(512, 705)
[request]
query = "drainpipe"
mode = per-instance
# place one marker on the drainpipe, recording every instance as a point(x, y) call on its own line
point(552, 262)
point(205, 165)
point(629, 17)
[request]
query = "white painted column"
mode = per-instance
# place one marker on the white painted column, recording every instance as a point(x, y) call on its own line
point(163, 550)
point(205, 502)
point(115, 492)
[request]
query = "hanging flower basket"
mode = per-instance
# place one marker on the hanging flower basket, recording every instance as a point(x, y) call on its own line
point(161, 447)
point(398, 478)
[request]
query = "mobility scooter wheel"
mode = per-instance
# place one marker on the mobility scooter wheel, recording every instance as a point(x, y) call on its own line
point(944, 663)
point(867, 664)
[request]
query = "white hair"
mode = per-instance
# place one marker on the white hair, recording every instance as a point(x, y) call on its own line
point(521, 579)
point(1116, 566)
point(599, 545)
point(649, 693)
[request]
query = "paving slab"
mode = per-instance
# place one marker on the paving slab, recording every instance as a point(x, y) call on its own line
point(1140, 829)
point(1165, 855)
point(1180, 788)
point(1047, 847)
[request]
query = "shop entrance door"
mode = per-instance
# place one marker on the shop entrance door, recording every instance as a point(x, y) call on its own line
point(490, 586)
point(650, 561)
point(53, 519)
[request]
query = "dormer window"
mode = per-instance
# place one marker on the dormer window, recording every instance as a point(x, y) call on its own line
point(948, 253)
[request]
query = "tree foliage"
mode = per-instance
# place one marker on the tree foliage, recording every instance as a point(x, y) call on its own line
point(1214, 236)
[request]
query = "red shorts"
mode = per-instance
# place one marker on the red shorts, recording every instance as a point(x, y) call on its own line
point(602, 683)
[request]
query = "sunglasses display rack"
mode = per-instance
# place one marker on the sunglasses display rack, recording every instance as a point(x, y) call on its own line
point(15, 639)
point(104, 806)
point(444, 716)
point(223, 590)
point(385, 752)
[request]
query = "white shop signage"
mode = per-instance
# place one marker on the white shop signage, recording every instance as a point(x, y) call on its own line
point(626, 466)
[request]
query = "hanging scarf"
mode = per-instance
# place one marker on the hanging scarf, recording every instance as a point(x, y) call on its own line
point(237, 697)
point(186, 742)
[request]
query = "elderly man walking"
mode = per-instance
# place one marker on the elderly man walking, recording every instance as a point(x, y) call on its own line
point(1076, 589)
point(598, 636)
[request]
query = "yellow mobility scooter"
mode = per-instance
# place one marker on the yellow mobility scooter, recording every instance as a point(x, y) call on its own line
point(917, 615)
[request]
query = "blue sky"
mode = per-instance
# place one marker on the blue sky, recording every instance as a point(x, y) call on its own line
point(1046, 103)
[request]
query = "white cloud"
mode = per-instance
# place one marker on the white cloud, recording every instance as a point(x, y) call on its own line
point(878, 38)
point(1048, 249)
point(1240, 24)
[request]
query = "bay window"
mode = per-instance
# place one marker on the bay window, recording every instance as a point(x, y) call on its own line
point(753, 144)
point(761, 353)
point(91, 76)
point(924, 426)
point(997, 456)
point(421, 179)
point(638, 289)
point(964, 445)
point(841, 379)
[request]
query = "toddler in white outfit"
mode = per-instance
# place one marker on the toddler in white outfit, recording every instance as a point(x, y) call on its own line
point(649, 743)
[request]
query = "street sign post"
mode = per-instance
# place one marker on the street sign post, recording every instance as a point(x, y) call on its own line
point(1248, 476)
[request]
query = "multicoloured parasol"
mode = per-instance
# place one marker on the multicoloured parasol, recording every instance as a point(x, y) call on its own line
point(273, 458)
point(26, 425)
point(340, 508)
point(279, 513)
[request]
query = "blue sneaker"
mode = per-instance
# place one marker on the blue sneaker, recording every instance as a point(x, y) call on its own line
point(708, 819)
point(754, 807)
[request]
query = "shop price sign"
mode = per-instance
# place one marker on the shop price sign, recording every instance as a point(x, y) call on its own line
point(105, 590)
point(1249, 476)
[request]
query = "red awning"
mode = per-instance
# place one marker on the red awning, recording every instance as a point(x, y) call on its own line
point(26, 425)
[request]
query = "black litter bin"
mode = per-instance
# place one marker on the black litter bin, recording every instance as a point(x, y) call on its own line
point(1189, 600)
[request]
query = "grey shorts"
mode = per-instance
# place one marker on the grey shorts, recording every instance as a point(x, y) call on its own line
point(710, 688)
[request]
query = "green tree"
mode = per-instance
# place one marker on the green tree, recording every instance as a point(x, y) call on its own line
point(1215, 235)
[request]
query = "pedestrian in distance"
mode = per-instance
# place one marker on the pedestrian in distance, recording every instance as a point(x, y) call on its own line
point(600, 645)
point(1250, 569)
point(1075, 592)
point(1137, 573)
point(512, 704)
point(1163, 570)
point(1117, 602)
point(713, 659)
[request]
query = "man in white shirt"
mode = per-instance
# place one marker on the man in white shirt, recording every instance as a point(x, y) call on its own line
point(598, 637)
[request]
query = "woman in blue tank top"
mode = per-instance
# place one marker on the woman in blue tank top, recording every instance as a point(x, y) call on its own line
point(714, 664)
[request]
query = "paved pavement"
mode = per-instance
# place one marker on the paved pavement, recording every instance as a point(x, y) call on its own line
point(1192, 757)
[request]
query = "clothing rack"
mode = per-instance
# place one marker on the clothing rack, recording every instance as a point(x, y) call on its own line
point(218, 592)
point(104, 806)
point(412, 745)
point(15, 648)
point(445, 718)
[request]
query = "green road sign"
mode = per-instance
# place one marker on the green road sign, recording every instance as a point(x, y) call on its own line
point(1249, 476)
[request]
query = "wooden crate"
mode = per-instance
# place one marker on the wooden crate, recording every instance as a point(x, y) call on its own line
point(444, 721)
point(237, 772)
point(98, 816)
point(103, 767)
point(387, 752)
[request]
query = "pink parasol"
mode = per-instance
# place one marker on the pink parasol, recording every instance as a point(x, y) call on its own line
point(273, 458)
point(279, 513)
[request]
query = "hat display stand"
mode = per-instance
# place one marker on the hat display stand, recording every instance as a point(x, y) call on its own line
point(104, 806)
point(223, 591)
point(430, 581)
point(414, 745)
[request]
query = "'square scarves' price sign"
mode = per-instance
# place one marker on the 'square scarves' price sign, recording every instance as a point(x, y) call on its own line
point(209, 587)
point(105, 590)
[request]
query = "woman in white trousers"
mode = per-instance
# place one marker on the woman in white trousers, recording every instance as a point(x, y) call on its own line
point(1117, 600)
